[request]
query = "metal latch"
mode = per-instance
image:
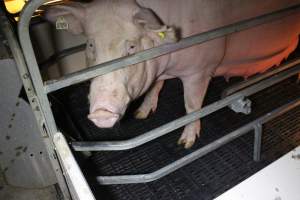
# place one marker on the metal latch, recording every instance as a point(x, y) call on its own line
point(242, 105)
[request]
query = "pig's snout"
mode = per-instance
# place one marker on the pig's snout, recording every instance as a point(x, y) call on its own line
point(108, 102)
point(103, 118)
point(105, 115)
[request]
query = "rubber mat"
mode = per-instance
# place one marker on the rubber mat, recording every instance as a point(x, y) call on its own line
point(206, 177)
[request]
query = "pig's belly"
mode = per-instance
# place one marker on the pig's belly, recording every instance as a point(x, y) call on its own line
point(258, 49)
point(251, 66)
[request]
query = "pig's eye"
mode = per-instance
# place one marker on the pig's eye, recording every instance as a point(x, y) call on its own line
point(90, 50)
point(131, 47)
point(90, 43)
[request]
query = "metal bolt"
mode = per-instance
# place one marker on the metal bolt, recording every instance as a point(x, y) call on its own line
point(25, 76)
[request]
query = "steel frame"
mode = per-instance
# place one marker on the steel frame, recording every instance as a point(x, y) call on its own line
point(173, 125)
point(46, 118)
point(16, 51)
point(60, 171)
point(255, 125)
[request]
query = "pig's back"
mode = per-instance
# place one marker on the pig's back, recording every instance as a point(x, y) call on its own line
point(240, 50)
point(196, 16)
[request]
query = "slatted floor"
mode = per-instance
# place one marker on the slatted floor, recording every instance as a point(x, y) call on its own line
point(205, 178)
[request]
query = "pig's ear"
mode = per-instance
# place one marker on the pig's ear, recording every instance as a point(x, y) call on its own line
point(69, 17)
point(154, 28)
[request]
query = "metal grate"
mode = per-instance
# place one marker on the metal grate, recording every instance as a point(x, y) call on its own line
point(204, 178)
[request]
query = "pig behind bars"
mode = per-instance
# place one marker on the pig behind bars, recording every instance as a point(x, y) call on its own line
point(116, 28)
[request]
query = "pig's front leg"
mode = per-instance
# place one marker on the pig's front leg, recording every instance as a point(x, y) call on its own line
point(194, 92)
point(150, 101)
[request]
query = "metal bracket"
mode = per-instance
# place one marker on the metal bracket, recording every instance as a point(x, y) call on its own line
point(242, 105)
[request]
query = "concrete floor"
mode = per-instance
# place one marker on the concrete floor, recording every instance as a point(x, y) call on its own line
point(15, 193)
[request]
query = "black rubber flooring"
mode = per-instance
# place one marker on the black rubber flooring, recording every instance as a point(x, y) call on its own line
point(206, 177)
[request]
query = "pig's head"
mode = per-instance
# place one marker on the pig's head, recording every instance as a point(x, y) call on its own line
point(114, 28)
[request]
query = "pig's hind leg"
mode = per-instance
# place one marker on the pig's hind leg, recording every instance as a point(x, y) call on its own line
point(194, 92)
point(150, 101)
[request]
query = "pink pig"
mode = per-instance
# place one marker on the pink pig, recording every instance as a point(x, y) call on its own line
point(116, 28)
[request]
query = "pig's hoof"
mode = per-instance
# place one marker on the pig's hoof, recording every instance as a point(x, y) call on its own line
point(149, 104)
point(144, 110)
point(138, 114)
point(185, 143)
point(190, 134)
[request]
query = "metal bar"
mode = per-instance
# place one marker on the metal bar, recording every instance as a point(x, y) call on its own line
point(153, 134)
point(165, 129)
point(7, 30)
point(46, 116)
point(257, 78)
point(104, 68)
point(122, 62)
point(143, 178)
point(257, 142)
point(60, 55)
point(73, 172)
point(34, 73)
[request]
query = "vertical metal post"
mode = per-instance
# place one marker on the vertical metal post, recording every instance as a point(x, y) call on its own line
point(33, 100)
point(35, 76)
point(257, 142)
point(72, 172)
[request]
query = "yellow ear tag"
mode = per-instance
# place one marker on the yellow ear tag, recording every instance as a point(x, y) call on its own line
point(162, 35)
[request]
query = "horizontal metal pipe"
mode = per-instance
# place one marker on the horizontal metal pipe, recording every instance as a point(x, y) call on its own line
point(165, 129)
point(257, 78)
point(60, 55)
point(107, 67)
point(153, 134)
point(143, 178)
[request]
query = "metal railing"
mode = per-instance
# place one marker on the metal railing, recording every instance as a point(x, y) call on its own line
point(107, 67)
point(42, 90)
point(173, 125)
point(60, 55)
point(255, 125)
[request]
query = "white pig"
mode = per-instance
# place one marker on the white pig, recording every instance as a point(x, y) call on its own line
point(117, 28)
